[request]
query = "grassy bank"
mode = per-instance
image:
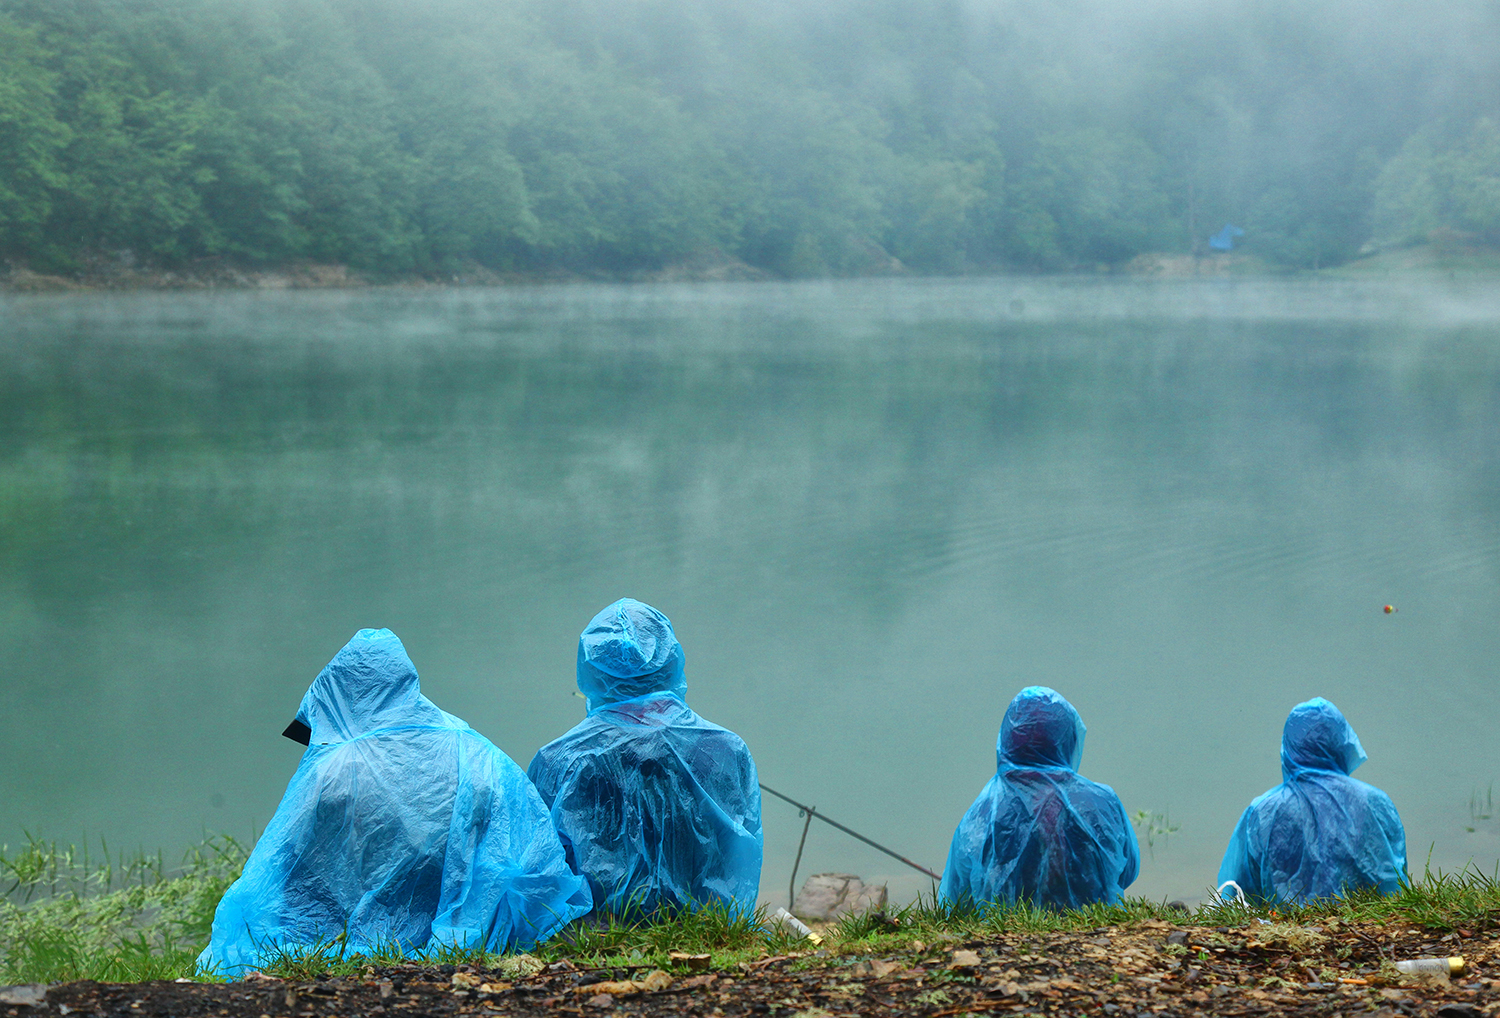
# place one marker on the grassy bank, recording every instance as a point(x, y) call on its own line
point(67, 916)
point(68, 913)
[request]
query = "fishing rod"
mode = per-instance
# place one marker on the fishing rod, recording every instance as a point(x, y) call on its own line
point(812, 811)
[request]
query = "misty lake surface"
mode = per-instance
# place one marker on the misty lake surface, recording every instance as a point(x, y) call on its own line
point(874, 510)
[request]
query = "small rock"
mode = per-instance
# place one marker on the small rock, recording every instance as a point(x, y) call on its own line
point(693, 962)
point(387, 990)
point(24, 994)
point(1459, 1011)
point(520, 966)
point(1177, 906)
point(655, 982)
point(828, 897)
point(613, 988)
point(1178, 937)
point(601, 1000)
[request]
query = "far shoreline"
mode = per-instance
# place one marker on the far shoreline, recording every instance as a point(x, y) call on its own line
point(123, 273)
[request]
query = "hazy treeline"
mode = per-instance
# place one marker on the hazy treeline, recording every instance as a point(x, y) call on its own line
point(622, 135)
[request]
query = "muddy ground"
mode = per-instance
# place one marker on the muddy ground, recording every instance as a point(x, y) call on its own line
point(1156, 969)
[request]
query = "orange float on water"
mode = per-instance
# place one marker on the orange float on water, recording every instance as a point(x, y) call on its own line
point(1389, 609)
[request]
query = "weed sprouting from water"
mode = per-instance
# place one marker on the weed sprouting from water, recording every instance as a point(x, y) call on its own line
point(1481, 808)
point(1153, 827)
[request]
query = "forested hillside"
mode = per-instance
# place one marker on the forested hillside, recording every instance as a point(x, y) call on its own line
point(618, 136)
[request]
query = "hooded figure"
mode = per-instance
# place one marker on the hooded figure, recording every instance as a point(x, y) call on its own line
point(656, 806)
point(1320, 832)
point(402, 826)
point(1040, 832)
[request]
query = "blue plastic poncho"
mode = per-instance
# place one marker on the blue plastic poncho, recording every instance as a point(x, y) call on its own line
point(402, 825)
point(1040, 832)
point(656, 806)
point(1320, 831)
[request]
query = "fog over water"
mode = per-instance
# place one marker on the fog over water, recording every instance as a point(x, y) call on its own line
point(874, 510)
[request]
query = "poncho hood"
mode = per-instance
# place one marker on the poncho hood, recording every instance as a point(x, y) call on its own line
point(370, 684)
point(1040, 729)
point(629, 651)
point(1317, 738)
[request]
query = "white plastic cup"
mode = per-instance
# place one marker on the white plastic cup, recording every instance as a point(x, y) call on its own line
point(781, 917)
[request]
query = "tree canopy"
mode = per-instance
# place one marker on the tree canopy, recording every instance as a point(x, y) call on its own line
point(624, 135)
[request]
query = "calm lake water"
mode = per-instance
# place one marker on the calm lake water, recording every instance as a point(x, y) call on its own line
point(874, 510)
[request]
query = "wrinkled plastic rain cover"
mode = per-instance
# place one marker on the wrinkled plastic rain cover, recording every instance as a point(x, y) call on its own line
point(656, 806)
point(401, 824)
point(1320, 831)
point(1039, 831)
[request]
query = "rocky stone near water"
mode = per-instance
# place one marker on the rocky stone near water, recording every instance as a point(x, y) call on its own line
point(828, 897)
point(24, 994)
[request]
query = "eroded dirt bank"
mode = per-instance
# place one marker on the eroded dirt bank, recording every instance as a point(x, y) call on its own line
point(1155, 969)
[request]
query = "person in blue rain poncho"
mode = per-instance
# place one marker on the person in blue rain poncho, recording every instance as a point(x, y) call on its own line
point(401, 826)
point(657, 807)
point(1320, 832)
point(1040, 832)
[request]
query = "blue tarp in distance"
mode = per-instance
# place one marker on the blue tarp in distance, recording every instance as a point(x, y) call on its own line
point(1224, 239)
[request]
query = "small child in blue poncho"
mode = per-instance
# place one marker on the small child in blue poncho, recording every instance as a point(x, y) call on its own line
point(402, 826)
point(1320, 832)
point(1039, 831)
point(657, 807)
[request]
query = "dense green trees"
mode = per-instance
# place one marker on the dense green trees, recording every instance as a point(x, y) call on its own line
point(30, 137)
point(1436, 183)
point(623, 135)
